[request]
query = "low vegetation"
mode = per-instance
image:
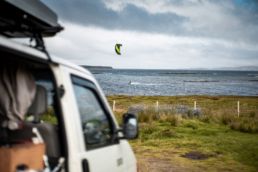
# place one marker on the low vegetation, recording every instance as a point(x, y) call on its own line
point(176, 137)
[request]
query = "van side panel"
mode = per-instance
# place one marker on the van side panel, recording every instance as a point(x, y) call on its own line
point(118, 157)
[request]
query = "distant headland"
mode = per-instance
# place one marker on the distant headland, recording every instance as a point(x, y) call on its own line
point(97, 67)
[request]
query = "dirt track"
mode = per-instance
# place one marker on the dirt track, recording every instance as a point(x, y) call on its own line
point(161, 165)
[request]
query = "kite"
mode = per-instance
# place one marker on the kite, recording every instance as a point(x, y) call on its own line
point(117, 48)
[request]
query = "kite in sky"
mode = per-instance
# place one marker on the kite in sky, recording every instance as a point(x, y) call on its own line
point(117, 48)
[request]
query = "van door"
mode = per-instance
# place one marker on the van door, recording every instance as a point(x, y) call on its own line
point(101, 150)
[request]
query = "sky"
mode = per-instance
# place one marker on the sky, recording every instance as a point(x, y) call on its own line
point(157, 34)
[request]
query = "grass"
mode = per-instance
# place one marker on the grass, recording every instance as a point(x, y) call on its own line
point(167, 134)
point(49, 116)
point(233, 148)
point(219, 109)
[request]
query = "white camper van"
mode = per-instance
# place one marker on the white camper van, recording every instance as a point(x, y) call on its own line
point(53, 114)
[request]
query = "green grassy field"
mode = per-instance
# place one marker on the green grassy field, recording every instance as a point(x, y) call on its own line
point(211, 138)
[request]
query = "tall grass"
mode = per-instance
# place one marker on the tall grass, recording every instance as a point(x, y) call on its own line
point(247, 123)
point(150, 114)
point(175, 114)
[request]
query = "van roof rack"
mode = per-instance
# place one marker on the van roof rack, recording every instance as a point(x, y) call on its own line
point(24, 18)
point(28, 19)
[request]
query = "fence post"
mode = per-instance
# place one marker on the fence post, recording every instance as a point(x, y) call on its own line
point(238, 109)
point(114, 105)
point(194, 105)
point(157, 106)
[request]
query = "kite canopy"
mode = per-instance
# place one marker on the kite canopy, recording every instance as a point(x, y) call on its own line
point(117, 49)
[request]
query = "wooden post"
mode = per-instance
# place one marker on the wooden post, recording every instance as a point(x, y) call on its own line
point(157, 106)
point(238, 109)
point(195, 105)
point(114, 105)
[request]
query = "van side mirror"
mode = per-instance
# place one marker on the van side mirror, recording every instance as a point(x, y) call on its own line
point(130, 126)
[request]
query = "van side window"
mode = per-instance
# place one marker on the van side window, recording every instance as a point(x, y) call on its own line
point(96, 126)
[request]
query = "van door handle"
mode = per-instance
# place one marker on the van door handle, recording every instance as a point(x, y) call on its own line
point(85, 165)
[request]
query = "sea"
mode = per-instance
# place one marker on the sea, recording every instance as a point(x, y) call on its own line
point(177, 82)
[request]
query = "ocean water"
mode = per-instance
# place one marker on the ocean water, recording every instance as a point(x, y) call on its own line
point(177, 82)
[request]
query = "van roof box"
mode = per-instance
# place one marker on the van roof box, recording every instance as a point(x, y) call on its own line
point(24, 18)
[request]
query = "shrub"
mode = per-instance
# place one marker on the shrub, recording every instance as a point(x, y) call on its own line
point(148, 114)
point(205, 118)
point(245, 125)
point(143, 117)
point(167, 133)
point(252, 114)
point(146, 131)
point(174, 120)
point(227, 118)
point(191, 125)
point(49, 116)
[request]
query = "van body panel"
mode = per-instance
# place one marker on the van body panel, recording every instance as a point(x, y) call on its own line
point(18, 48)
point(34, 54)
point(117, 157)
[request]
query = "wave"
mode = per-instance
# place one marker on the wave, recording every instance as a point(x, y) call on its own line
point(253, 75)
point(134, 83)
point(201, 81)
point(106, 73)
point(178, 73)
point(146, 84)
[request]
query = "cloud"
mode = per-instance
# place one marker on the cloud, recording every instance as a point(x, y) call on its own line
point(219, 19)
point(157, 33)
point(95, 13)
point(230, 20)
point(93, 45)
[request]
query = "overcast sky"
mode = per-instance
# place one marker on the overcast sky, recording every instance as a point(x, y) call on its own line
point(157, 34)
